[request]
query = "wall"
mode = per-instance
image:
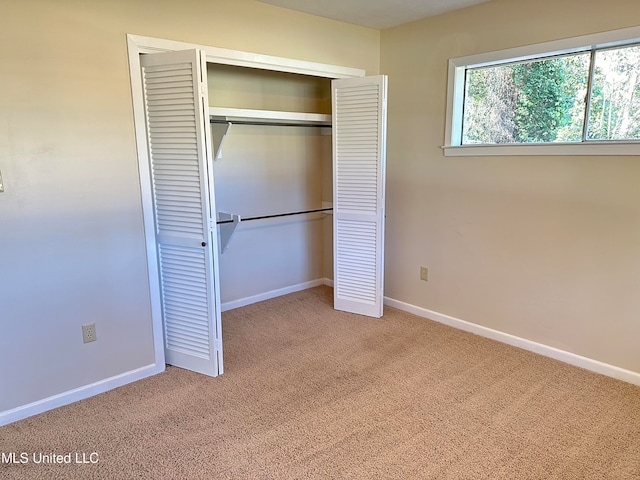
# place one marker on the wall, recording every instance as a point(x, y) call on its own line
point(543, 248)
point(72, 245)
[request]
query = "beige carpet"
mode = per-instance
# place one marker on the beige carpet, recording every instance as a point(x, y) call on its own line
point(309, 392)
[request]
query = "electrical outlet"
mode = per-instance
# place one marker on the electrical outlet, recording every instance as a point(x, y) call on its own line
point(89, 332)
point(424, 273)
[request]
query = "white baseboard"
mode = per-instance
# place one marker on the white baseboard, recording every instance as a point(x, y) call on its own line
point(241, 302)
point(65, 398)
point(552, 352)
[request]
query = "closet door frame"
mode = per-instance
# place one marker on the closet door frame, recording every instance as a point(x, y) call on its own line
point(137, 45)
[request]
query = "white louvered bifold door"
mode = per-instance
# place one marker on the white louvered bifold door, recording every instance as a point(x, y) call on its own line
point(359, 141)
point(176, 104)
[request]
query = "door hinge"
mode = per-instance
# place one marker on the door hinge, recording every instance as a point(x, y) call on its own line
point(203, 90)
point(217, 344)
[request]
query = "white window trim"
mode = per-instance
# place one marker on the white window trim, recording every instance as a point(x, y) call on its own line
point(455, 98)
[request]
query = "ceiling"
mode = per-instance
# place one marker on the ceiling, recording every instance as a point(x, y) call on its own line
point(378, 14)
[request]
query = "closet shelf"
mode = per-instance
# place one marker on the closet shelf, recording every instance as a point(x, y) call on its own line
point(267, 117)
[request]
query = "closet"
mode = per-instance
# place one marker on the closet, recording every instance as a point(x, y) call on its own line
point(227, 142)
point(274, 162)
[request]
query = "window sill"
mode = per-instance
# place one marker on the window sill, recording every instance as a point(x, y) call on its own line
point(569, 149)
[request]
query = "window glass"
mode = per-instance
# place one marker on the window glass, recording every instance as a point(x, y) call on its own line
point(526, 102)
point(614, 112)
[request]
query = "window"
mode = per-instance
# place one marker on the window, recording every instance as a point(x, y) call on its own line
point(576, 96)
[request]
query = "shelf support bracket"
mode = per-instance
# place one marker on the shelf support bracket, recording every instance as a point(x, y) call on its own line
point(219, 132)
point(227, 229)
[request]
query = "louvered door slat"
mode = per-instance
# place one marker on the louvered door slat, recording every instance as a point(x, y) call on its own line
point(179, 150)
point(359, 131)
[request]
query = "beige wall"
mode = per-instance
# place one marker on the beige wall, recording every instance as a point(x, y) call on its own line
point(545, 248)
point(72, 246)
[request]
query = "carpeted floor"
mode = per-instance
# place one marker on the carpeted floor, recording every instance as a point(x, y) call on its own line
point(310, 392)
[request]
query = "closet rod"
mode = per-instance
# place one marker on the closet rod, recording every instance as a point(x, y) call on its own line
point(276, 215)
point(268, 124)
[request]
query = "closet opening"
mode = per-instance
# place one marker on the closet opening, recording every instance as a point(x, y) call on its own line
point(275, 160)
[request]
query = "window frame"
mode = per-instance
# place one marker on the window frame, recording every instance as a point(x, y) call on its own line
point(456, 87)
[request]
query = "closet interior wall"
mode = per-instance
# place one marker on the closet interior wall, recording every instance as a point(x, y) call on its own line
point(267, 169)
